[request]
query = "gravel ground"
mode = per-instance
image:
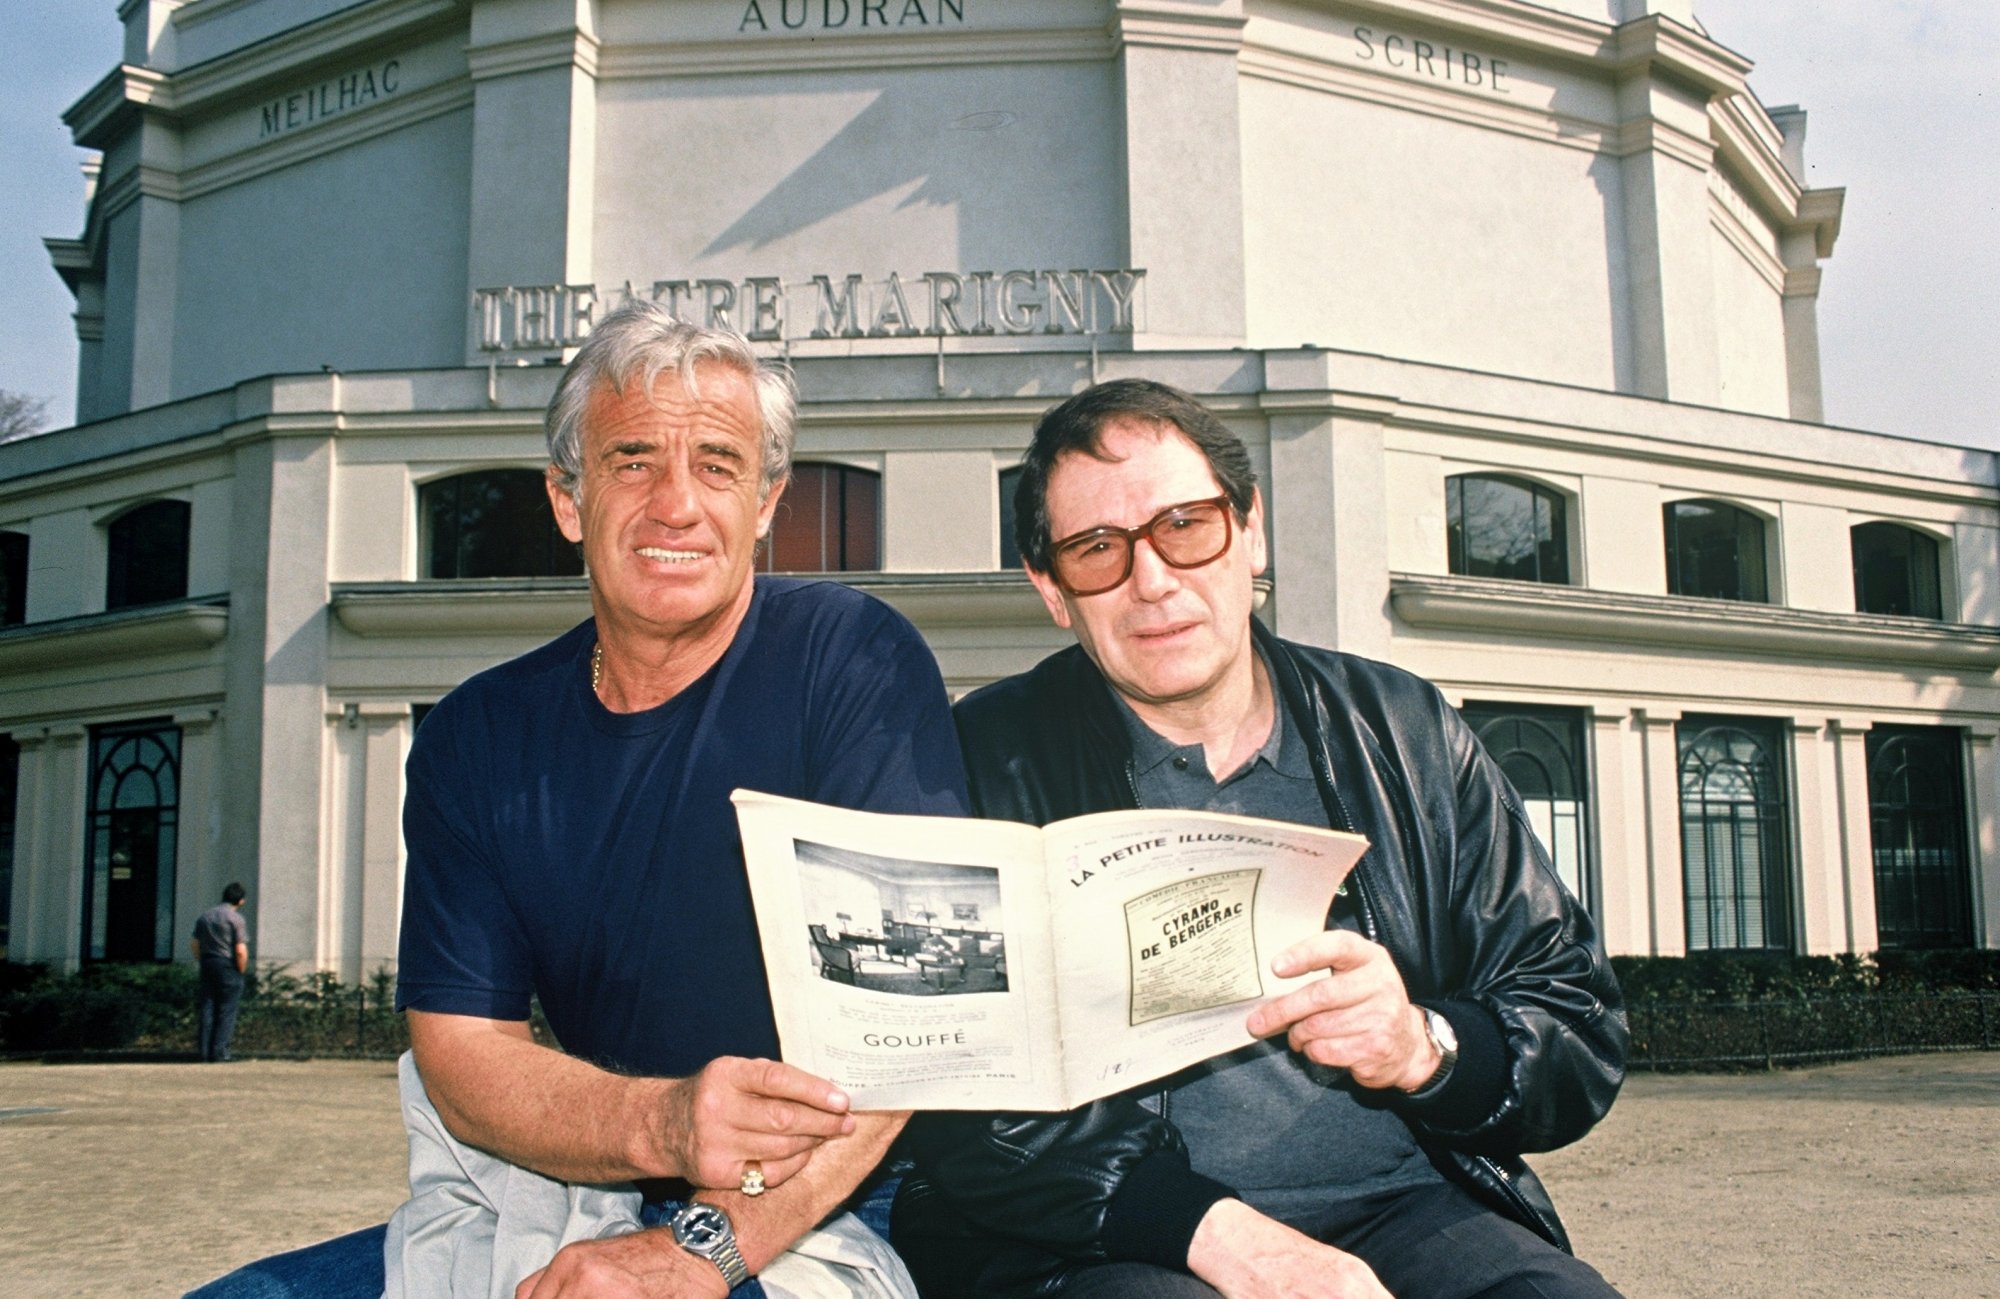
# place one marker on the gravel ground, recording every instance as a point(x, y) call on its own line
point(1867, 1179)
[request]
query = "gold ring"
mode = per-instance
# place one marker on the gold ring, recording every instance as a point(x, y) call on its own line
point(753, 1179)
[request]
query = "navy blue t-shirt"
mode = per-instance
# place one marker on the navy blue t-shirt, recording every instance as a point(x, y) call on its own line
point(591, 858)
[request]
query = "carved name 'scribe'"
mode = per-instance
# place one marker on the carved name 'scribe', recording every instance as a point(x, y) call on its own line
point(329, 98)
point(1413, 56)
point(936, 304)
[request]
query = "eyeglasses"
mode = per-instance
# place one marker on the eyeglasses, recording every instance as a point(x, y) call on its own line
point(1187, 535)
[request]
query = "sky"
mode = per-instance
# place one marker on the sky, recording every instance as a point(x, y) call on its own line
point(1903, 98)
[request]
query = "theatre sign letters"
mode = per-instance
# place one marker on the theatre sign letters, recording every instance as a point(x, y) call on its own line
point(767, 309)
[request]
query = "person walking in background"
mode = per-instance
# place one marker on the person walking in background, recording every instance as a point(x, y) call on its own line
point(222, 947)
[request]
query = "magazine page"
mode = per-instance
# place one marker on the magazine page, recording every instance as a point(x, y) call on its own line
point(1166, 923)
point(909, 957)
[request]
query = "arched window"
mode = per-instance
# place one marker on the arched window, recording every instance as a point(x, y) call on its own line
point(1010, 544)
point(1895, 571)
point(493, 523)
point(1916, 802)
point(128, 880)
point(1541, 751)
point(1715, 550)
point(148, 555)
point(13, 578)
point(1733, 847)
point(829, 521)
point(1505, 527)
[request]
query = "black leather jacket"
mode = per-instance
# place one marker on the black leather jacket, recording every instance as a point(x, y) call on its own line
point(1454, 885)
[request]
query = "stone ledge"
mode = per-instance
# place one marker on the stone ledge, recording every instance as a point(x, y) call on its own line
point(120, 634)
point(1525, 608)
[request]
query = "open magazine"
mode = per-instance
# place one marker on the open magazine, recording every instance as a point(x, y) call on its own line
point(926, 962)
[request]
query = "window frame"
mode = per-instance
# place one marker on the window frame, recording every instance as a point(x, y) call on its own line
point(1773, 808)
point(1558, 503)
point(121, 548)
point(847, 478)
point(1949, 820)
point(1914, 539)
point(556, 556)
point(1568, 730)
point(1767, 566)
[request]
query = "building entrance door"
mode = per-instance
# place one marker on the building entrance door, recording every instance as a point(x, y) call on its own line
point(128, 893)
point(132, 895)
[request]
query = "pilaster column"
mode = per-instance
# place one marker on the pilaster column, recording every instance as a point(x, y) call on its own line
point(1670, 278)
point(1660, 776)
point(1324, 503)
point(275, 677)
point(381, 916)
point(534, 114)
point(50, 814)
point(1819, 841)
point(1618, 817)
point(198, 866)
point(1184, 189)
point(1856, 864)
point(1983, 802)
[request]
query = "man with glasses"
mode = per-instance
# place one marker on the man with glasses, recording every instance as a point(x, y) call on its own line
point(1371, 1144)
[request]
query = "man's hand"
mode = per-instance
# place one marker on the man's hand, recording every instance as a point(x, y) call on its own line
point(1358, 1018)
point(1246, 1255)
point(642, 1265)
point(737, 1110)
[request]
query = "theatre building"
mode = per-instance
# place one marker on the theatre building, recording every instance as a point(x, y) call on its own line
point(1514, 304)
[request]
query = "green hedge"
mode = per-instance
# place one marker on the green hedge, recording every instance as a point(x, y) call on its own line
point(1734, 977)
point(151, 1009)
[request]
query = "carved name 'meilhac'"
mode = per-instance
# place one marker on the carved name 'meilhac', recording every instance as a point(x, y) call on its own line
point(329, 98)
point(936, 304)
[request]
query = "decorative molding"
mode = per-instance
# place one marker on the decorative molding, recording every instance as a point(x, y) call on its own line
point(565, 49)
point(330, 137)
point(1571, 613)
point(1542, 125)
point(278, 58)
point(473, 607)
point(123, 634)
point(1161, 27)
point(850, 53)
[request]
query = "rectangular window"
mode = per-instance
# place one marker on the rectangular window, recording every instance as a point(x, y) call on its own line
point(13, 578)
point(1917, 817)
point(1735, 858)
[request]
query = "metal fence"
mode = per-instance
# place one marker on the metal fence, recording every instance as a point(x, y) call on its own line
point(1767, 1034)
point(343, 1021)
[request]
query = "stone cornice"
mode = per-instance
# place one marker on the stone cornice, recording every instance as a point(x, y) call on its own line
point(485, 606)
point(279, 58)
point(101, 114)
point(97, 119)
point(547, 606)
point(847, 53)
point(330, 137)
point(1656, 42)
point(1526, 609)
point(122, 634)
point(1169, 27)
point(567, 49)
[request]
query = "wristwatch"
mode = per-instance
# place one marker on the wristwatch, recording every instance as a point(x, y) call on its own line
point(704, 1230)
point(1445, 1038)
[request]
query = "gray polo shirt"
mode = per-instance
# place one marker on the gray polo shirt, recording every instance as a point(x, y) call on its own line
point(218, 930)
point(1288, 1135)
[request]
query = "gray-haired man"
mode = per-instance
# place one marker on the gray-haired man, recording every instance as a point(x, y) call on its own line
point(570, 836)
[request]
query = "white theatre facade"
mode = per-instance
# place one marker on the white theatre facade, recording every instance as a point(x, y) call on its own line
point(1514, 303)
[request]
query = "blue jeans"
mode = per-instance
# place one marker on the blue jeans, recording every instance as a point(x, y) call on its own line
point(221, 994)
point(350, 1266)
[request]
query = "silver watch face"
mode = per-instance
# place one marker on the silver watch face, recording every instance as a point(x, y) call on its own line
point(1441, 1029)
point(701, 1227)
